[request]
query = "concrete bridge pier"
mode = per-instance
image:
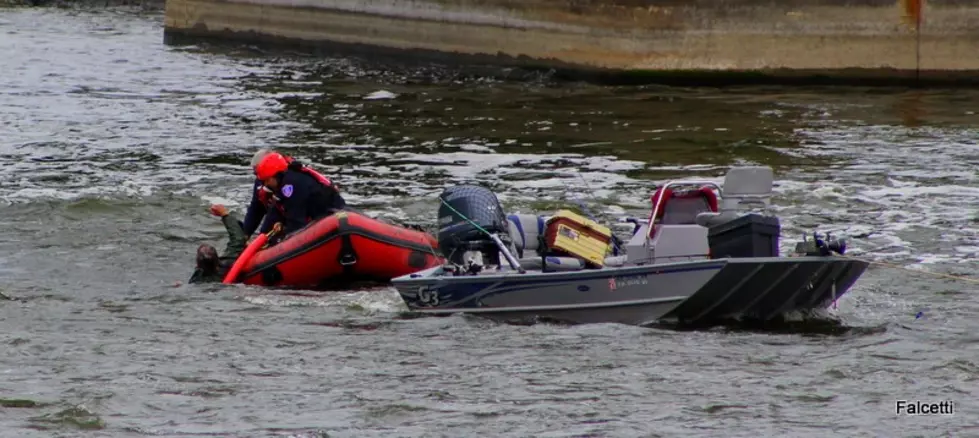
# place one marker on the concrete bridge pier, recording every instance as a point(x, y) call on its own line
point(848, 41)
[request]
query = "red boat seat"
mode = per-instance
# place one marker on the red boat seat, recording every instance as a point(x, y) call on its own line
point(682, 207)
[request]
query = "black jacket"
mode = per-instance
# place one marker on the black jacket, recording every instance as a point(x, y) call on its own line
point(304, 199)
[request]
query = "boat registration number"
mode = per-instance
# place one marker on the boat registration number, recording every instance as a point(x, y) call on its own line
point(631, 280)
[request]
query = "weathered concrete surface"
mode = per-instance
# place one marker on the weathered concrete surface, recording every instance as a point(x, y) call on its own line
point(838, 38)
point(156, 5)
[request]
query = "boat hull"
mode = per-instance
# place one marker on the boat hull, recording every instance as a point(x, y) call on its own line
point(342, 248)
point(631, 295)
point(764, 289)
point(692, 293)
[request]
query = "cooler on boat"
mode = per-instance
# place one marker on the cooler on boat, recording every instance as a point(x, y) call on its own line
point(578, 236)
point(752, 235)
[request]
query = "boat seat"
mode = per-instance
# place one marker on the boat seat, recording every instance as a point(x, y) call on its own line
point(525, 231)
point(682, 207)
point(743, 188)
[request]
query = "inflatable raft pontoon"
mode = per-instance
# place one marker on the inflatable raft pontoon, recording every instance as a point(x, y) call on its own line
point(341, 248)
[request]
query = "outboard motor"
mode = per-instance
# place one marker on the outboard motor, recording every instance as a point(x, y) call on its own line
point(461, 241)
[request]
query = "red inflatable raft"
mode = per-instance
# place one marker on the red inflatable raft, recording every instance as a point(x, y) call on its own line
point(344, 247)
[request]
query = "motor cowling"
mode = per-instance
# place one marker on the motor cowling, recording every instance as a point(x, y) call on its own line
point(458, 238)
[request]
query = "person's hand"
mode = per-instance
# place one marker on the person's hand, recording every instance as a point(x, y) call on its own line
point(219, 210)
point(277, 228)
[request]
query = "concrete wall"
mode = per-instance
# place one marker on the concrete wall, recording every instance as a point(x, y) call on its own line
point(149, 5)
point(787, 38)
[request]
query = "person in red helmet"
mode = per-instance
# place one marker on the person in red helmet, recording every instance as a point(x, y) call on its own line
point(297, 195)
point(262, 208)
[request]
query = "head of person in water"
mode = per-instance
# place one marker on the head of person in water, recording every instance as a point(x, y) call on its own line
point(207, 259)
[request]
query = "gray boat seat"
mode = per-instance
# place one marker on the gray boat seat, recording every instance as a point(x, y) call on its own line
point(524, 230)
point(743, 188)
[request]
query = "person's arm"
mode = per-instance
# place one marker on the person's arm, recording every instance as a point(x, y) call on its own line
point(236, 237)
point(256, 211)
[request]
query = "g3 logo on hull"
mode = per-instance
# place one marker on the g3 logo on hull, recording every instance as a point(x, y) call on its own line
point(428, 296)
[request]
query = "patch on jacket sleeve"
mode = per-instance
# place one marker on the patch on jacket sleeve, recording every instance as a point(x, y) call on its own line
point(287, 190)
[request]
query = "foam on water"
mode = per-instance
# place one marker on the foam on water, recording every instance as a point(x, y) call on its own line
point(908, 189)
point(372, 301)
point(74, 124)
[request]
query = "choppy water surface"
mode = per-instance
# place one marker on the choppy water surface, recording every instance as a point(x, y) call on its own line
point(113, 145)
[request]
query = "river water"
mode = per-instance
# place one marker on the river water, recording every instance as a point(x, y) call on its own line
point(114, 144)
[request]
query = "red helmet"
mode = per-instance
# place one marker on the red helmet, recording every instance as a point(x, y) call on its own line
point(271, 165)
